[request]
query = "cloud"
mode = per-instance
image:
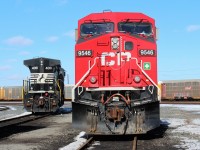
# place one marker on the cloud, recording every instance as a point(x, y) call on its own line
point(70, 34)
point(6, 67)
point(19, 41)
point(193, 28)
point(24, 53)
point(52, 39)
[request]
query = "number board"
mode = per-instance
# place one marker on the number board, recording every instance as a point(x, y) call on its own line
point(84, 53)
point(147, 52)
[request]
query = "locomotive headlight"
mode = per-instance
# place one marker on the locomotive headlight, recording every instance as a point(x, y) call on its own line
point(93, 80)
point(115, 43)
point(46, 94)
point(137, 79)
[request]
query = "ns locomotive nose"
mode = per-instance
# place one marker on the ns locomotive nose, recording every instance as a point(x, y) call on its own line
point(44, 90)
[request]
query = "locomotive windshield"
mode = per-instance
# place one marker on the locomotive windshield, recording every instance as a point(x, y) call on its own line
point(143, 30)
point(41, 65)
point(96, 28)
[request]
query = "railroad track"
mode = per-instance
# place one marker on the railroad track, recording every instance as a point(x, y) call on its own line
point(181, 102)
point(127, 142)
point(2, 108)
point(18, 103)
point(134, 143)
point(86, 144)
point(20, 119)
point(109, 142)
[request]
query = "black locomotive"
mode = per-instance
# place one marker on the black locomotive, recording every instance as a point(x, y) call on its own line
point(44, 89)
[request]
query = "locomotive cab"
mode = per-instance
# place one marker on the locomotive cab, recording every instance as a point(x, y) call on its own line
point(44, 90)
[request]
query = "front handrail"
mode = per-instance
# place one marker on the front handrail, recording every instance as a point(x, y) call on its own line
point(84, 76)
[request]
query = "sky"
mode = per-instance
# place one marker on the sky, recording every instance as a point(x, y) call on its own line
point(45, 28)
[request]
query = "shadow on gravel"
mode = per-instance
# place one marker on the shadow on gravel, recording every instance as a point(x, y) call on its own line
point(10, 130)
point(66, 110)
point(155, 133)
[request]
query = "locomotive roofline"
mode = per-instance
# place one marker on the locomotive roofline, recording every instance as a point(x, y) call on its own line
point(52, 62)
point(119, 16)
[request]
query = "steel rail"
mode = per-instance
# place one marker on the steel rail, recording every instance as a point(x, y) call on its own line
point(20, 119)
point(181, 102)
point(86, 144)
point(135, 143)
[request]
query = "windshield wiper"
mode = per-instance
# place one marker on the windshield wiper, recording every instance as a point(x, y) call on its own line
point(133, 20)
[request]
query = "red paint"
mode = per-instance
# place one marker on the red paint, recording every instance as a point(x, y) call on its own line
point(123, 68)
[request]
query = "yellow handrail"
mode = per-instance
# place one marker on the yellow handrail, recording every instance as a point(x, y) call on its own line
point(59, 86)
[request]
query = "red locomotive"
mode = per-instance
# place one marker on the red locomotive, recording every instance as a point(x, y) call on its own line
point(115, 88)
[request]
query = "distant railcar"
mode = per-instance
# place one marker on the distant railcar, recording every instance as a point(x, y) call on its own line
point(68, 92)
point(11, 93)
point(44, 90)
point(180, 90)
point(2, 93)
point(15, 93)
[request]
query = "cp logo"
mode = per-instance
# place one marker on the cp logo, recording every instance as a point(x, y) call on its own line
point(111, 58)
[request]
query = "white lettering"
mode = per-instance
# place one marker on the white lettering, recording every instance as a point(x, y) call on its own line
point(48, 68)
point(103, 59)
point(34, 68)
point(147, 52)
point(110, 58)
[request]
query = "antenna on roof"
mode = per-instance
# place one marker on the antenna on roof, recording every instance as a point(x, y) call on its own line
point(106, 10)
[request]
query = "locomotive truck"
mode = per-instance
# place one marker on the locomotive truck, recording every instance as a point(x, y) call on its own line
point(115, 88)
point(44, 90)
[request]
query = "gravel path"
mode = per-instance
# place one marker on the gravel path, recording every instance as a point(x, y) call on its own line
point(44, 134)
